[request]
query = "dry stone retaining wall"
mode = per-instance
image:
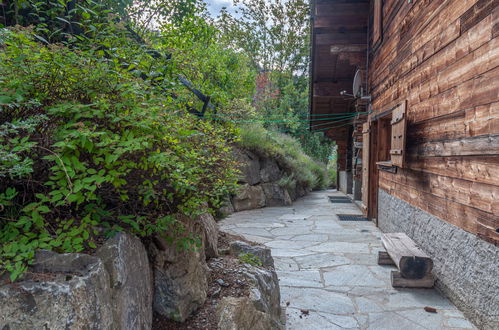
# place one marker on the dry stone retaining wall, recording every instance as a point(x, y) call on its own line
point(121, 285)
point(260, 184)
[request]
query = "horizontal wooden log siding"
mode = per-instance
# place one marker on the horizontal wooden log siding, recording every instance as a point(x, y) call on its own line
point(442, 56)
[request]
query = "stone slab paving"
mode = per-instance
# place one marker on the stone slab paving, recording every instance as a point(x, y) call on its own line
point(329, 268)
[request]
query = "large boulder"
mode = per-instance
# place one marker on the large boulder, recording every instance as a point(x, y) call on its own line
point(276, 195)
point(249, 165)
point(248, 198)
point(67, 291)
point(125, 259)
point(180, 276)
point(210, 235)
point(264, 292)
point(241, 314)
point(260, 310)
point(269, 170)
point(263, 253)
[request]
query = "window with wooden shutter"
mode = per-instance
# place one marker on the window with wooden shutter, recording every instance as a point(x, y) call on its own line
point(377, 22)
point(399, 129)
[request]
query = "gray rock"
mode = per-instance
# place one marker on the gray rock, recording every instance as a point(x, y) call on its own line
point(301, 191)
point(210, 235)
point(125, 259)
point(238, 247)
point(241, 314)
point(226, 209)
point(269, 170)
point(264, 292)
point(77, 296)
point(275, 195)
point(292, 192)
point(180, 277)
point(249, 165)
point(222, 283)
point(248, 198)
point(261, 310)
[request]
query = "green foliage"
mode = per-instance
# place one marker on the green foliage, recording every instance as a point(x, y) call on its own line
point(62, 20)
point(251, 259)
point(89, 146)
point(332, 168)
point(238, 110)
point(198, 52)
point(274, 33)
point(288, 182)
point(301, 168)
point(275, 37)
point(94, 136)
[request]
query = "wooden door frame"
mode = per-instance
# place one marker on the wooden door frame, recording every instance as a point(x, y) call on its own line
point(372, 205)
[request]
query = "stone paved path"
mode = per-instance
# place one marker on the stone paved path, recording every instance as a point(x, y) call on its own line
point(330, 268)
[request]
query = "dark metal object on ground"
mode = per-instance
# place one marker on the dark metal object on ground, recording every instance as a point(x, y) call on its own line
point(352, 217)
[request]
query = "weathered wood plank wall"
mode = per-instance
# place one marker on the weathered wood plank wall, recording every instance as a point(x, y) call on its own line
point(442, 57)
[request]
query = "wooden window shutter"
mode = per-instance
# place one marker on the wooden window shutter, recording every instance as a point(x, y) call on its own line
point(377, 22)
point(399, 131)
point(365, 165)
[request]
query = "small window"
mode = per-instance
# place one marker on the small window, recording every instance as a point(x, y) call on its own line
point(384, 140)
point(391, 138)
point(377, 22)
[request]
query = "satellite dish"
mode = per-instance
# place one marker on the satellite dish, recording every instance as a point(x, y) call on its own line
point(358, 91)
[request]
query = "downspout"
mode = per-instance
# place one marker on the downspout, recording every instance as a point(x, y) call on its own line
point(311, 64)
point(367, 51)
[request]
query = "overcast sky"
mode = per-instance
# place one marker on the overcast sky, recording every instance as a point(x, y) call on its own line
point(215, 5)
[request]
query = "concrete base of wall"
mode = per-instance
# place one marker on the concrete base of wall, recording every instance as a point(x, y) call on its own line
point(467, 267)
point(345, 180)
point(357, 190)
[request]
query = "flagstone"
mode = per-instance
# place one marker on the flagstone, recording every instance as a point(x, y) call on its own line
point(328, 270)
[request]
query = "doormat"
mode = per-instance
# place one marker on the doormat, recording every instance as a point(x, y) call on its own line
point(339, 199)
point(352, 217)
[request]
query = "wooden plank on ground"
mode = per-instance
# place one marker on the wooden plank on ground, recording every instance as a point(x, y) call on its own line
point(384, 259)
point(398, 281)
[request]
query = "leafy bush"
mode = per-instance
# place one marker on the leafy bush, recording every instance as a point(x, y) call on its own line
point(87, 147)
point(251, 259)
point(301, 168)
point(288, 182)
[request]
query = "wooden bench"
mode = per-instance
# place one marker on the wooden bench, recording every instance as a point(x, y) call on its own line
point(414, 265)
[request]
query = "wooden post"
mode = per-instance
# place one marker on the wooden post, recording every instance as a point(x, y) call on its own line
point(384, 259)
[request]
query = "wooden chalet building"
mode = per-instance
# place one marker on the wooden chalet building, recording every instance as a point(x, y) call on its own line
point(422, 153)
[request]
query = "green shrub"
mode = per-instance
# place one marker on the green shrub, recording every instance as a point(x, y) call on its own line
point(301, 168)
point(288, 182)
point(251, 259)
point(86, 147)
